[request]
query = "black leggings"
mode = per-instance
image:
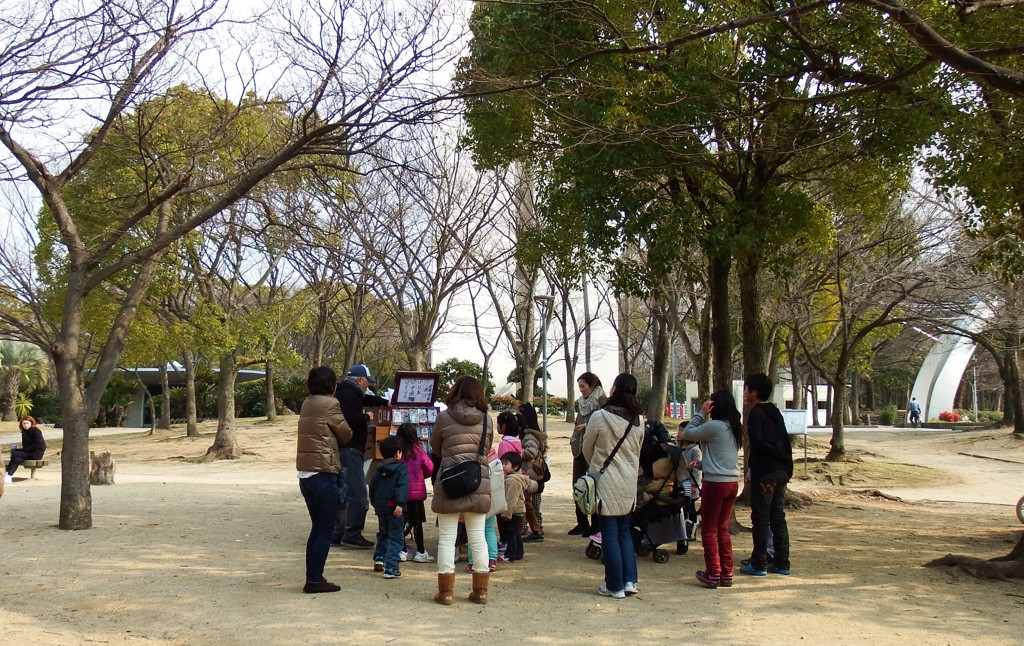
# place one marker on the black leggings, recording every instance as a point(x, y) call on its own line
point(18, 456)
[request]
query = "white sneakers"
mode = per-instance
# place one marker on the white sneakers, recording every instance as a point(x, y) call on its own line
point(8, 479)
point(605, 592)
point(423, 557)
point(403, 556)
point(631, 588)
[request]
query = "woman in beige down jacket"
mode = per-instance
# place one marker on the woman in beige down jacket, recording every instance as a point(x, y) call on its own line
point(322, 429)
point(456, 438)
point(616, 488)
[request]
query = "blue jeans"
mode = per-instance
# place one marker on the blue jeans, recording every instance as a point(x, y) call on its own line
point(390, 539)
point(355, 493)
point(617, 548)
point(320, 492)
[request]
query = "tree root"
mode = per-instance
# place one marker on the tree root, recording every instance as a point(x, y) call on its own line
point(980, 568)
point(1001, 568)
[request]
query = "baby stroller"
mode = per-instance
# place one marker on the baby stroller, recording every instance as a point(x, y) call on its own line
point(663, 497)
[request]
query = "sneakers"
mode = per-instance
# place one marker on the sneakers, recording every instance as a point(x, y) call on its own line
point(403, 556)
point(492, 565)
point(423, 557)
point(378, 565)
point(534, 537)
point(708, 581)
point(631, 588)
point(752, 570)
point(503, 559)
point(775, 569)
point(605, 592)
point(315, 587)
point(358, 542)
point(392, 573)
point(725, 582)
point(578, 530)
point(8, 479)
point(469, 568)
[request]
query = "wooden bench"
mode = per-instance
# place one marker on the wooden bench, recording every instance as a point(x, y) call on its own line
point(32, 465)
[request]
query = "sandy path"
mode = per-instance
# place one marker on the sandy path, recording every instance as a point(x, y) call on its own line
point(186, 553)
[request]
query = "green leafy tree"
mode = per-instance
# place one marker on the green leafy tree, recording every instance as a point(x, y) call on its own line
point(344, 91)
point(23, 370)
point(450, 370)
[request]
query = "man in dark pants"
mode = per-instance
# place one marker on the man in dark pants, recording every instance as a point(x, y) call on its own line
point(352, 396)
point(771, 467)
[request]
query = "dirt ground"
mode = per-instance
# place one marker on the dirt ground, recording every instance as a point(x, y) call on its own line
point(212, 553)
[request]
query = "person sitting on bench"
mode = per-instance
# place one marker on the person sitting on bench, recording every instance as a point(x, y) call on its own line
point(33, 446)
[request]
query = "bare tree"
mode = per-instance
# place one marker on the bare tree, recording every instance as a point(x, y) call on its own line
point(419, 222)
point(859, 289)
point(351, 72)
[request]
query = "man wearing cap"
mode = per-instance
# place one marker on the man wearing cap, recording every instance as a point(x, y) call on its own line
point(352, 396)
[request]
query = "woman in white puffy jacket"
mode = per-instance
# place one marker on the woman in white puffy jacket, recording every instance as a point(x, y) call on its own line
point(618, 419)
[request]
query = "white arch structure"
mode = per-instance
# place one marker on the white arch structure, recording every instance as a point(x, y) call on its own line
point(943, 368)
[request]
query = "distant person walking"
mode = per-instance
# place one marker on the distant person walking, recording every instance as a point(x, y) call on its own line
point(914, 411)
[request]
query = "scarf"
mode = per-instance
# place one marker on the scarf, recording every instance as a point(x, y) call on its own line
point(587, 405)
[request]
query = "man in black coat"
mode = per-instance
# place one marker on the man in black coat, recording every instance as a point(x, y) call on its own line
point(352, 396)
point(771, 467)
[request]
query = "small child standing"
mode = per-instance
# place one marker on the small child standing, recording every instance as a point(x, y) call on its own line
point(420, 467)
point(517, 485)
point(389, 490)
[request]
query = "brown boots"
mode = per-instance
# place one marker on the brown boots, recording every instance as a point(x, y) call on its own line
point(480, 581)
point(445, 589)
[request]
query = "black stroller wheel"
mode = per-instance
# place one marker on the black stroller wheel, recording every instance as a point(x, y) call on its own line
point(661, 556)
point(593, 551)
point(682, 547)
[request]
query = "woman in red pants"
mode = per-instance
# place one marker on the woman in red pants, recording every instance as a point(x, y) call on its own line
point(718, 429)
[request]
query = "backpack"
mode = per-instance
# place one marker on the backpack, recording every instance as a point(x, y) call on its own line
point(584, 493)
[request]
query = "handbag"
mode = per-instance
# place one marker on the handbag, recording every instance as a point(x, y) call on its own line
point(464, 478)
point(584, 490)
point(498, 503)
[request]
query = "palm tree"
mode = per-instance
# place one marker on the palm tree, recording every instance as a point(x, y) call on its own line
point(23, 367)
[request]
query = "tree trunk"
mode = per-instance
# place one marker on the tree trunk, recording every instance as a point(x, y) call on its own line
point(12, 385)
point(271, 400)
point(191, 424)
point(75, 493)
point(165, 401)
point(225, 444)
point(812, 382)
point(587, 334)
point(152, 410)
point(795, 375)
point(721, 332)
point(854, 398)
point(755, 350)
point(1014, 391)
point(838, 394)
point(418, 357)
point(661, 366)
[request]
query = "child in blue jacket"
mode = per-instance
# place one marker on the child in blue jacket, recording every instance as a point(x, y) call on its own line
point(389, 491)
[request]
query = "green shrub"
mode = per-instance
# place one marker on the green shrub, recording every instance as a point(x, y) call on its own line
point(888, 417)
point(988, 416)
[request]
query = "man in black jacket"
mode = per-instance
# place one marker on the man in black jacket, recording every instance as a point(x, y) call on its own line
point(352, 396)
point(771, 467)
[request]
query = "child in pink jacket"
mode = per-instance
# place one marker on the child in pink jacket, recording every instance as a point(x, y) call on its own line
point(420, 468)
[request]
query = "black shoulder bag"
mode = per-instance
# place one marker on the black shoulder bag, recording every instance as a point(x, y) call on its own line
point(464, 478)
